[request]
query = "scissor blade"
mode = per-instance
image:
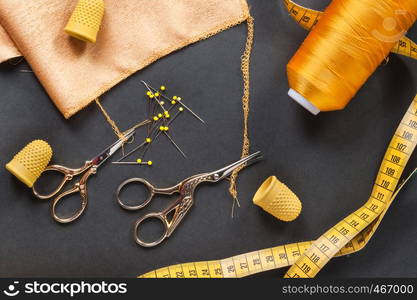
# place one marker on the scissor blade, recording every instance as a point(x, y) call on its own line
point(109, 151)
point(226, 171)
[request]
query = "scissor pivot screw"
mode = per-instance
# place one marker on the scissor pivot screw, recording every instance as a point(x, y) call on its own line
point(216, 176)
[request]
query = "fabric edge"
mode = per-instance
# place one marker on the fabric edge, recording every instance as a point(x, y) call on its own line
point(4, 60)
point(229, 24)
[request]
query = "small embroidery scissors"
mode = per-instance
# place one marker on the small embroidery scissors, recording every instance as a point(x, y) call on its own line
point(89, 168)
point(180, 207)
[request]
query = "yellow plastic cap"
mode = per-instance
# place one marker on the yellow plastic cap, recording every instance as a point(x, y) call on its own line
point(277, 199)
point(85, 20)
point(30, 162)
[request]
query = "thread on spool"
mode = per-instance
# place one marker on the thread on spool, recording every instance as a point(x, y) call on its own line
point(277, 199)
point(29, 163)
point(85, 20)
point(350, 41)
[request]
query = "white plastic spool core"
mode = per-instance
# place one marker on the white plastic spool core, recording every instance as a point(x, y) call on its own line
point(303, 102)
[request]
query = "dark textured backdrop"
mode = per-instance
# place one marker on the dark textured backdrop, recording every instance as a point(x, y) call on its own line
point(329, 160)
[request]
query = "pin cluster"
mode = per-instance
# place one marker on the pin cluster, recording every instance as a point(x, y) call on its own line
point(160, 107)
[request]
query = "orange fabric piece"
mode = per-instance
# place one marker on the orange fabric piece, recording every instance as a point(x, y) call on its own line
point(133, 35)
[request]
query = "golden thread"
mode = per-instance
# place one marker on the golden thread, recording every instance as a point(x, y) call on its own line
point(352, 38)
point(308, 18)
point(110, 121)
point(116, 130)
point(245, 67)
point(140, 124)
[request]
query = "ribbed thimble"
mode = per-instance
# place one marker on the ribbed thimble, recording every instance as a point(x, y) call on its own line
point(30, 162)
point(277, 199)
point(85, 20)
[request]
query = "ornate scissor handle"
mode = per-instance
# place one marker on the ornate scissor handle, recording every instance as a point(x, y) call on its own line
point(81, 188)
point(162, 217)
point(179, 209)
point(68, 176)
point(151, 192)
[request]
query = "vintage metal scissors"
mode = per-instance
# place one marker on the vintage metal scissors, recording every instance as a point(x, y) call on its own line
point(89, 168)
point(179, 208)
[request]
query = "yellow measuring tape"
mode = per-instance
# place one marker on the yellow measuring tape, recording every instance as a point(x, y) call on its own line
point(308, 18)
point(349, 235)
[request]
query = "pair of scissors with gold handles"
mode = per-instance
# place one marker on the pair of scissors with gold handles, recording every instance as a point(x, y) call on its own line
point(180, 207)
point(89, 168)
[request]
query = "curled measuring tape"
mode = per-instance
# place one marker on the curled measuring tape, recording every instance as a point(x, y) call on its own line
point(348, 236)
point(308, 18)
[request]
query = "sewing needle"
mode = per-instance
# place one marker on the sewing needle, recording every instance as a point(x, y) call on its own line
point(176, 146)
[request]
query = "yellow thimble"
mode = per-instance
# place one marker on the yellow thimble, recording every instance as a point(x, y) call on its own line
point(85, 20)
point(277, 199)
point(30, 162)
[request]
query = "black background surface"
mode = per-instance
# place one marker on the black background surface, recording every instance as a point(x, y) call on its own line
point(329, 160)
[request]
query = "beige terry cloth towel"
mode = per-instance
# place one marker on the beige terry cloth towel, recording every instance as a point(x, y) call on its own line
point(134, 34)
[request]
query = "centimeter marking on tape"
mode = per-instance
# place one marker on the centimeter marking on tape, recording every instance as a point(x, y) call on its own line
point(308, 18)
point(348, 236)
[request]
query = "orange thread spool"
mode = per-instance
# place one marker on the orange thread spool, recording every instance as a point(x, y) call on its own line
point(344, 49)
